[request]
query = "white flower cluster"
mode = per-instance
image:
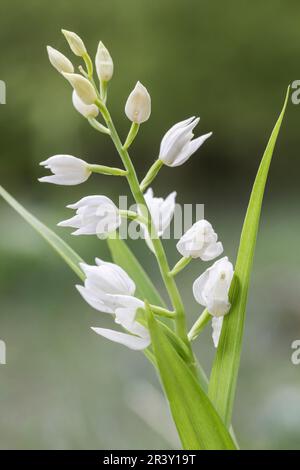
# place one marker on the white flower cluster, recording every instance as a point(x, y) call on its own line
point(107, 287)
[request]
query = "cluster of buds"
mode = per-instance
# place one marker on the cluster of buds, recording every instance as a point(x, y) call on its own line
point(107, 287)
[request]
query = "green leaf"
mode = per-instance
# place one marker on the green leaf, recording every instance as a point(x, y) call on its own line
point(61, 247)
point(123, 256)
point(198, 424)
point(226, 364)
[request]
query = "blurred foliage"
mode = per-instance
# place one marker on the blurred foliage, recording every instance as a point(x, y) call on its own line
point(63, 387)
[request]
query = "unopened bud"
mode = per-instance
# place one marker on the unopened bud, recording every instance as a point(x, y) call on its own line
point(82, 86)
point(138, 105)
point(59, 61)
point(104, 63)
point(75, 42)
point(87, 110)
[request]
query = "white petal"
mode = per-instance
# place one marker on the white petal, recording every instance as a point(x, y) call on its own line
point(93, 301)
point(72, 222)
point(59, 61)
point(198, 288)
point(138, 105)
point(83, 87)
point(212, 251)
point(216, 324)
point(87, 110)
point(91, 200)
point(132, 342)
point(169, 134)
point(191, 148)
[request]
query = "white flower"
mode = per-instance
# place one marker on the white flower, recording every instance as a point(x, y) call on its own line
point(75, 42)
point(200, 241)
point(138, 105)
point(104, 63)
point(216, 324)
point(67, 170)
point(95, 215)
point(59, 61)
point(138, 338)
point(161, 210)
point(107, 287)
point(177, 145)
point(87, 110)
point(82, 86)
point(212, 287)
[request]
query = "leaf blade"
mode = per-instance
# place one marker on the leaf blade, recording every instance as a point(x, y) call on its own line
point(224, 373)
point(197, 422)
point(59, 245)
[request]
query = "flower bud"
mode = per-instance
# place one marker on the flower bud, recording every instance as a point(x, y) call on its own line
point(104, 63)
point(138, 105)
point(59, 61)
point(82, 86)
point(67, 170)
point(87, 110)
point(75, 42)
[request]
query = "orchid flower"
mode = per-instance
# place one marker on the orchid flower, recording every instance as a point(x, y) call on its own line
point(200, 241)
point(161, 210)
point(212, 287)
point(177, 145)
point(95, 215)
point(67, 170)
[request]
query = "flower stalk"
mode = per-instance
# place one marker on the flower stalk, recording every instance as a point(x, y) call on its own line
point(199, 325)
point(151, 175)
point(107, 170)
point(180, 265)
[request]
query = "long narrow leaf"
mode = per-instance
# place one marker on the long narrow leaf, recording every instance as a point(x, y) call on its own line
point(226, 364)
point(198, 424)
point(61, 247)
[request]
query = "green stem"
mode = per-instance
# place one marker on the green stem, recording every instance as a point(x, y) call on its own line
point(89, 64)
point(99, 127)
point(154, 169)
point(103, 90)
point(133, 182)
point(199, 325)
point(107, 170)
point(131, 135)
point(163, 312)
point(182, 263)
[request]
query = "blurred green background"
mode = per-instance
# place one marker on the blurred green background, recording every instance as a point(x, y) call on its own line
point(63, 386)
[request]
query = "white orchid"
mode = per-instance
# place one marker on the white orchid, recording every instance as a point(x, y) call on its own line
point(107, 287)
point(200, 241)
point(212, 287)
point(87, 110)
point(177, 145)
point(95, 215)
point(67, 170)
point(161, 210)
point(138, 105)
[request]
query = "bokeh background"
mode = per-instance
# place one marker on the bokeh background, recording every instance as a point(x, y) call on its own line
point(63, 386)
